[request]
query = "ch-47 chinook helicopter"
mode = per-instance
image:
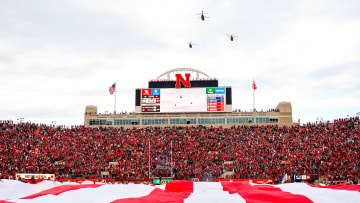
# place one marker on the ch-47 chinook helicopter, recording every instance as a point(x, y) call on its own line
point(202, 15)
point(232, 36)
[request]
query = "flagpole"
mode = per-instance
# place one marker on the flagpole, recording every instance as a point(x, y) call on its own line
point(254, 88)
point(115, 99)
point(253, 95)
point(253, 100)
point(171, 163)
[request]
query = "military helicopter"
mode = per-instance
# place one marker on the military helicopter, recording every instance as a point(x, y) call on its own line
point(232, 36)
point(202, 15)
point(190, 44)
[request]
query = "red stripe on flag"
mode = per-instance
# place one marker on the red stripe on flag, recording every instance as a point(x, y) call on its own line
point(112, 88)
point(261, 193)
point(60, 189)
point(175, 191)
point(185, 187)
point(339, 187)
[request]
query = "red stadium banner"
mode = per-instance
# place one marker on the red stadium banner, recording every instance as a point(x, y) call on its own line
point(36, 176)
point(257, 181)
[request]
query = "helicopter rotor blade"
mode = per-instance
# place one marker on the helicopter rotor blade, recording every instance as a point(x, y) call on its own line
point(202, 13)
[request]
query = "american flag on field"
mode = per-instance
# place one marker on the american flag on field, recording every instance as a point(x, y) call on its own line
point(112, 88)
point(175, 191)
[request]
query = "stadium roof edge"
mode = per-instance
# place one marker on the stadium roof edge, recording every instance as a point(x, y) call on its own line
point(182, 69)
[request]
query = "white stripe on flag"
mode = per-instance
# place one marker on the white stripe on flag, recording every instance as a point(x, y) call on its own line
point(212, 192)
point(321, 194)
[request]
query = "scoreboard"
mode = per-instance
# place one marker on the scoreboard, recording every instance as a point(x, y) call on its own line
point(150, 101)
point(215, 99)
point(167, 100)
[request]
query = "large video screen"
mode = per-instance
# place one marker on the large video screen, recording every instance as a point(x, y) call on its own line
point(183, 100)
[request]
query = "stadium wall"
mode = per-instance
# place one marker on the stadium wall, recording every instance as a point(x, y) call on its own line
point(281, 115)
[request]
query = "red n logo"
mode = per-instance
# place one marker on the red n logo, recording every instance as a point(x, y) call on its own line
point(179, 78)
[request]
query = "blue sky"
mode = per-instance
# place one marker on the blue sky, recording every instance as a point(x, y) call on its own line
point(56, 57)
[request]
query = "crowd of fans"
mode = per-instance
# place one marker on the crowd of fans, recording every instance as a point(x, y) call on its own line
point(331, 150)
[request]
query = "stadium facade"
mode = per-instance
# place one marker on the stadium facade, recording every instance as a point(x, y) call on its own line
point(186, 96)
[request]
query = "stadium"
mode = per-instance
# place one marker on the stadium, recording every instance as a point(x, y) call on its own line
point(154, 101)
point(187, 97)
point(183, 129)
point(182, 133)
